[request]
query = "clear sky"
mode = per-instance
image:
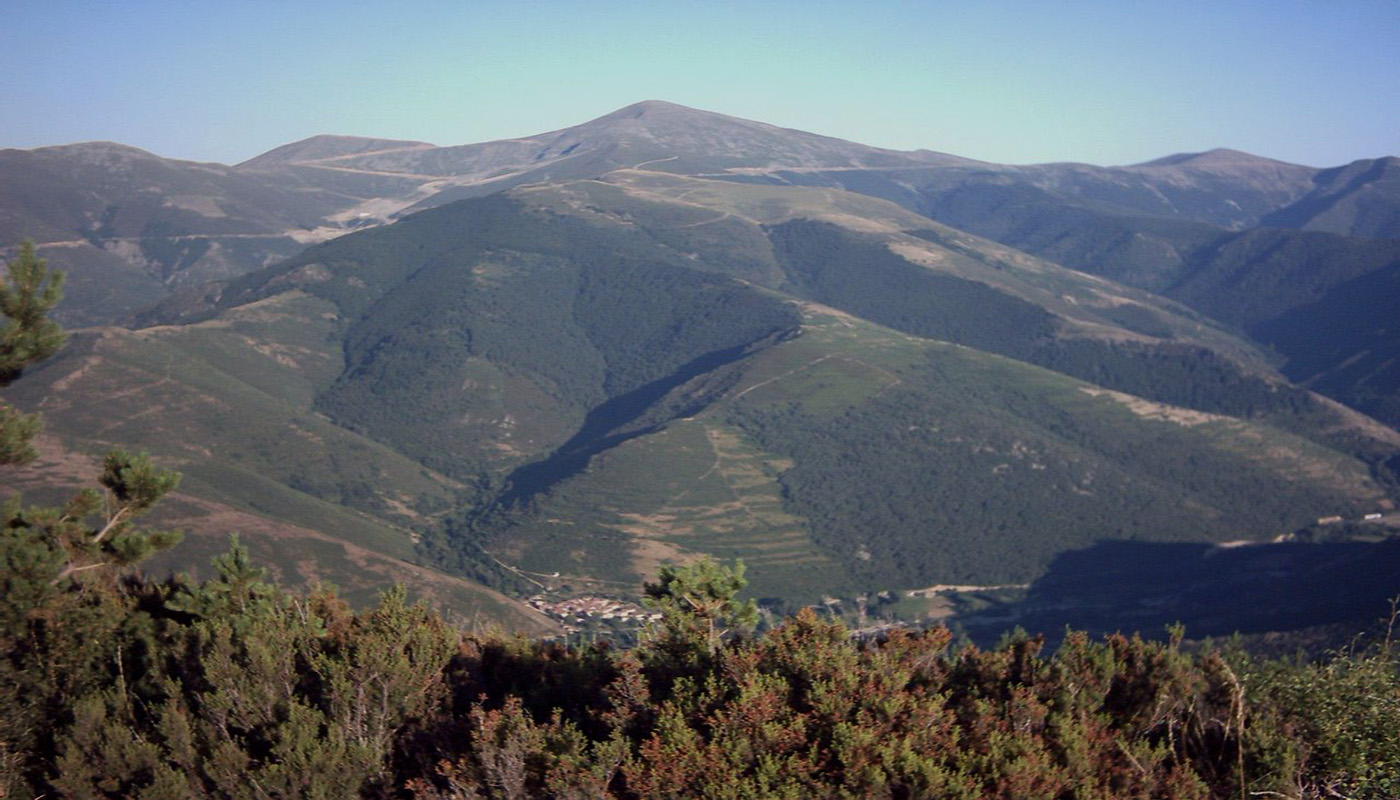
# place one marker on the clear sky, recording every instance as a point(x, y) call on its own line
point(1115, 82)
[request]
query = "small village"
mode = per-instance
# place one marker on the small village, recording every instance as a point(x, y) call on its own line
point(584, 610)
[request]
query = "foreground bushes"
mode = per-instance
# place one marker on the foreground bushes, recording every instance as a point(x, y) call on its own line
point(234, 688)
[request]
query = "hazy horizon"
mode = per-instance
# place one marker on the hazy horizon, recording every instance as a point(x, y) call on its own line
point(1010, 82)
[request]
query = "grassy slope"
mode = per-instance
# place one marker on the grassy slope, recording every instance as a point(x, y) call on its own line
point(227, 402)
point(297, 556)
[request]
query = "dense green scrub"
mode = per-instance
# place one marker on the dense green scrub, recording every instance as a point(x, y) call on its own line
point(117, 686)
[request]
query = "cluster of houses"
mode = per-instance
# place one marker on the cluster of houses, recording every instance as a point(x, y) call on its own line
point(593, 609)
point(1333, 520)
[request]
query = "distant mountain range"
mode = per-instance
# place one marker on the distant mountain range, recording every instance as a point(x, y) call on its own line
point(553, 363)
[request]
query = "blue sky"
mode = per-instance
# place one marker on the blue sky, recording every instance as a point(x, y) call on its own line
point(1309, 81)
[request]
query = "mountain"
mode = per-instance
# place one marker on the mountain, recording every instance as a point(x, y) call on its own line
point(1359, 199)
point(160, 226)
point(694, 140)
point(552, 363)
point(1271, 249)
point(325, 148)
point(1221, 188)
point(129, 226)
point(611, 373)
point(663, 136)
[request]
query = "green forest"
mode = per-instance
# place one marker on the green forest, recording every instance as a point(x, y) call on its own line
point(118, 684)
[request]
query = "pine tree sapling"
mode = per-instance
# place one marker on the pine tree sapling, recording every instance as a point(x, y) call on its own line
point(29, 291)
point(28, 294)
point(703, 595)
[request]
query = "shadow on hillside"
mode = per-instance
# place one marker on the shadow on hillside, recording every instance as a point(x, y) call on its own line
point(607, 425)
point(1214, 591)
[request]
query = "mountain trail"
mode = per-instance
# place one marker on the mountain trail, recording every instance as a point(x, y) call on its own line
point(655, 161)
point(792, 371)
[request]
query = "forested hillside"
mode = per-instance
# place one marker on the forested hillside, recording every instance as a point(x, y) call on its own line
point(536, 370)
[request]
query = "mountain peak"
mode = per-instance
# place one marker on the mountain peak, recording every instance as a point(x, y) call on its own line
point(328, 146)
point(656, 129)
point(649, 107)
point(97, 150)
point(1218, 157)
point(654, 114)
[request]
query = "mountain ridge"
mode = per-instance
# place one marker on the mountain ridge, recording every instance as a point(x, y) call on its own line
point(666, 332)
point(325, 146)
point(1217, 156)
